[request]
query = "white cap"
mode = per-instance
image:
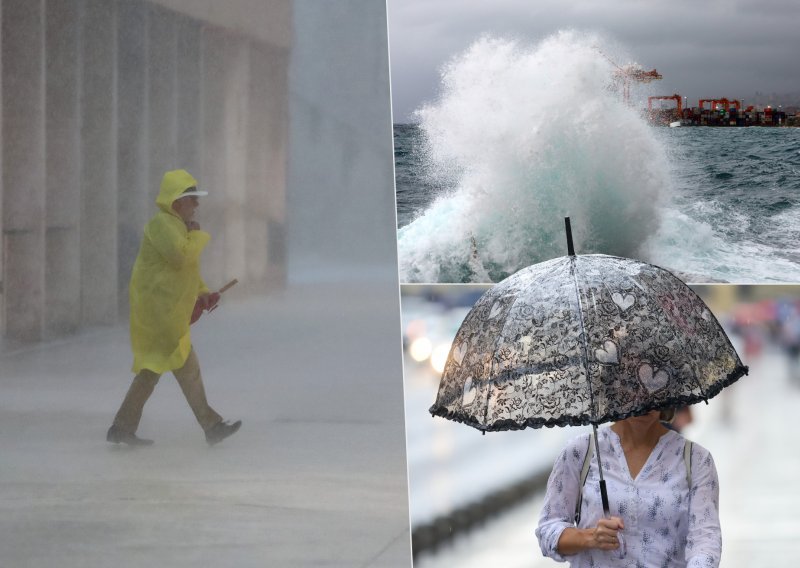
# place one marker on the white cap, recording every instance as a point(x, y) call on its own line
point(192, 191)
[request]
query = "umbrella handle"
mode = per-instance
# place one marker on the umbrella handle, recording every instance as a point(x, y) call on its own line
point(603, 491)
point(604, 497)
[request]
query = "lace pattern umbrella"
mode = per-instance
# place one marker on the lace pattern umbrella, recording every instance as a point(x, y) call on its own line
point(582, 340)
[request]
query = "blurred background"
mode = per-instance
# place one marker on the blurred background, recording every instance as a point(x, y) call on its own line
point(475, 499)
point(282, 112)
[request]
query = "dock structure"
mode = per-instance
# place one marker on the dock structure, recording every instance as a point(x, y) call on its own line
point(719, 112)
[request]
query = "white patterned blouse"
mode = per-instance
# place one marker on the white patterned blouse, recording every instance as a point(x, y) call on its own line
point(666, 524)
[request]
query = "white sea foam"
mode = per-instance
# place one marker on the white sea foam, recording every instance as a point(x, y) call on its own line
point(533, 133)
point(699, 252)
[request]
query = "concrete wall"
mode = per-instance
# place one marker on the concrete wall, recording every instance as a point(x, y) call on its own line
point(98, 99)
point(63, 173)
point(98, 183)
point(23, 159)
point(267, 21)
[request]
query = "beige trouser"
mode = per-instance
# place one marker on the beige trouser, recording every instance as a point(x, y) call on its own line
point(188, 376)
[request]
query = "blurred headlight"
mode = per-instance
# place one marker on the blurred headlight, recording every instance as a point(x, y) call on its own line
point(439, 357)
point(420, 349)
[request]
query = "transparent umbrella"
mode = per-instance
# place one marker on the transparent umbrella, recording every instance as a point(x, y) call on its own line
point(583, 339)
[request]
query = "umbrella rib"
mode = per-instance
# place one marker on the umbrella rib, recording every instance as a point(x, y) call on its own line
point(694, 374)
point(574, 270)
point(492, 379)
point(488, 393)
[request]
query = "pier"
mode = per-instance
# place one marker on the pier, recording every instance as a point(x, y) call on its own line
point(719, 112)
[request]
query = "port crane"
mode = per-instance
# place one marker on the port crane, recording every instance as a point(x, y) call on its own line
point(724, 103)
point(626, 74)
point(676, 97)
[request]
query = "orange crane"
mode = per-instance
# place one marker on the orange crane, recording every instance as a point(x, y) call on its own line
point(629, 73)
point(676, 97)
point(725, 103)
point(634, 73)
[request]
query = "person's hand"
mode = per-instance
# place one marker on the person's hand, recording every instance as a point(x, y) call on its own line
point(197, 311)
point(192, 226)
point(604, 536)
point(211, 300)
point(208, 300)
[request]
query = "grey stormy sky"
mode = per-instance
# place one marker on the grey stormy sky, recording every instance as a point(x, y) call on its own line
point(707, 49)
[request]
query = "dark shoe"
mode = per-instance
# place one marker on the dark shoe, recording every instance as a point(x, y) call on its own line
point(117, 436)
point(221, 430)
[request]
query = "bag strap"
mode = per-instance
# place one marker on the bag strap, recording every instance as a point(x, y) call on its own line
point(687, 460)
point(587, 460)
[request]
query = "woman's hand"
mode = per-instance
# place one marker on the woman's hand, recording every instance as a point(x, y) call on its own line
point(604, 536)
point(192, 226)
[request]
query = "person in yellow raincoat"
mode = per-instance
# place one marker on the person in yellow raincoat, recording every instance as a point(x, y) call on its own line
point(165, 286)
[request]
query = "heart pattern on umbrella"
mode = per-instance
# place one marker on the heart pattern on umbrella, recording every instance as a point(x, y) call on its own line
point(470, 392)
point(459, 352)
point(608, 354)
point(624, 302)
point(653, 380)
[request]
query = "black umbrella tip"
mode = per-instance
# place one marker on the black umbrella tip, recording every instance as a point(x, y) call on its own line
point(568, 228)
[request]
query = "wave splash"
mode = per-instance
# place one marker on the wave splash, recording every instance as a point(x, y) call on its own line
point(526, 135)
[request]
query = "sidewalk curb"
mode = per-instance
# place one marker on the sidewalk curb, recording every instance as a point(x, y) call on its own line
point(428, 537)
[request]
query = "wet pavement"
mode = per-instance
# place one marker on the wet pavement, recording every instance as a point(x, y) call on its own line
point(315, 477)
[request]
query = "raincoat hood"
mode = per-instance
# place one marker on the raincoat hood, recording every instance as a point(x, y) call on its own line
point(173, 185)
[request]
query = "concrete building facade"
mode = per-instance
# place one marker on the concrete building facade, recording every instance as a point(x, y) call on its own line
point(98, 98)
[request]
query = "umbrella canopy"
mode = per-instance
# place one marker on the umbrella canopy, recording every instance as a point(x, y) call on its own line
point(583, 340)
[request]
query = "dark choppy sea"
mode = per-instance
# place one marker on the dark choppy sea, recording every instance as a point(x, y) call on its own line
point(521, 135)
point(729, 211)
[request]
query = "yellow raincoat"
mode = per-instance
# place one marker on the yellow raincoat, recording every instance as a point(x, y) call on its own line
point(165, 283)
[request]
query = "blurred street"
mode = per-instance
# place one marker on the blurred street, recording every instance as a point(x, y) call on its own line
point(316, 476)
point(746, 427)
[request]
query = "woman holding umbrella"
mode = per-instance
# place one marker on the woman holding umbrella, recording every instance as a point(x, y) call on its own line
point(656, 520)
point(586, 340)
